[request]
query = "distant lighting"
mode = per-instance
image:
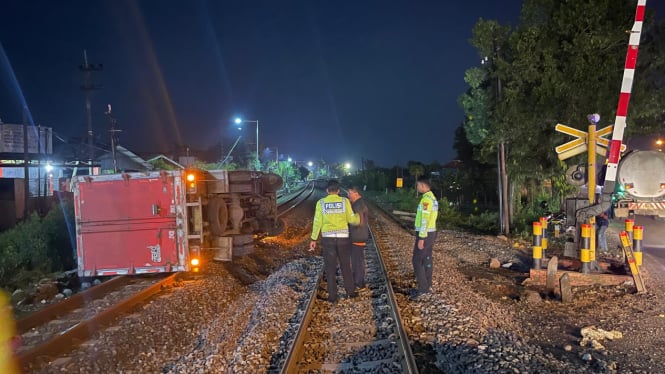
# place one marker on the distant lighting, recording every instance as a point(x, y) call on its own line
point(191, 177)
point(347, 166)
point(195, 262)
point(238, 121)
point(310, 164)
point(290, 159)
point(48, 168)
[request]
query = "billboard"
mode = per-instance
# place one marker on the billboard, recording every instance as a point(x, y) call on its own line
point(40, 139)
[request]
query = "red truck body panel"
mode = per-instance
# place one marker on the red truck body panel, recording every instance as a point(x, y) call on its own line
point(130, 223)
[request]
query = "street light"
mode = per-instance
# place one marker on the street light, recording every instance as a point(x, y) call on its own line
point(310, 164)
point(347, 167)
point(238, 121)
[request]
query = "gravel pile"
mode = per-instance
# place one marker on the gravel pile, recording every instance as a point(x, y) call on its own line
point(241, 317)
point(356, 335)
point(246, 343)
point(457, 328)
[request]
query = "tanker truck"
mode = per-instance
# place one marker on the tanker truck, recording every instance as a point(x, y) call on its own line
point(641, 184)
point(163, 221)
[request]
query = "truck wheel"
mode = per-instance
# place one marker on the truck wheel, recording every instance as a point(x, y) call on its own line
point(218, 215)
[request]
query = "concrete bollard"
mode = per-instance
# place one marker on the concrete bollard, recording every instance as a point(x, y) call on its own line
point(537, 245)
point(638, 235)
point(585, 252)
point(543, 224)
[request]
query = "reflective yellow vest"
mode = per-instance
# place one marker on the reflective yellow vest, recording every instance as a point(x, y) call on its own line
point(332, 217)
point(428, 210)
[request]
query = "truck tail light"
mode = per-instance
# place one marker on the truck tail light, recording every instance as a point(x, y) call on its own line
point(195, 264)
point(662, 186)
point(629, 185)
point(191, 182)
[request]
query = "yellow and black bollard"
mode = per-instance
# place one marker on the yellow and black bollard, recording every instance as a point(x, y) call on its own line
point(543, 224)
point(537, 245)
point(629, 228)
point(638, 235)
point(585, 252)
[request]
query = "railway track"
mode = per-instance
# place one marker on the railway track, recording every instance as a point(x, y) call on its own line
point(290, 202)
point(60, 327)
point(363, 334)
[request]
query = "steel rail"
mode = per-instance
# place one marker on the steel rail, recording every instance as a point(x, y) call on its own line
point(83, 330)
point(303, 195)
point(77, 300)
point(408, 360)
point(296, 348)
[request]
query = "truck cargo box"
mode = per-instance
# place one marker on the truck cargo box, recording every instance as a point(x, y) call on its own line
point(130, 223)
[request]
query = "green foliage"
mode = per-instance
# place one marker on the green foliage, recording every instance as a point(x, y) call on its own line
point(37, 246)
point(562, 61)
point(524, 219)
point(476, 104)
point(403, 199)
point(161, 164)
point(486, 222)
point(448, 217)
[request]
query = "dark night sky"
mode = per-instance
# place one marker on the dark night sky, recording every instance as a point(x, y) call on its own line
point(337, 80)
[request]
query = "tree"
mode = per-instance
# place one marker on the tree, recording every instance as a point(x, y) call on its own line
point(416, 169)
point(304, 172)
point(563, 61)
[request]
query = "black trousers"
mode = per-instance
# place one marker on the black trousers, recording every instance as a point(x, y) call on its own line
point(337, 250)
point(422, 262)
point(358, 264)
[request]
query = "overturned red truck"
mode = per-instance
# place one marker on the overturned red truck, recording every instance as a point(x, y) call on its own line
point(162, 221)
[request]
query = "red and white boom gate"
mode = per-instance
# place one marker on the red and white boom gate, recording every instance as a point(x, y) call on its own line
point(620, 120)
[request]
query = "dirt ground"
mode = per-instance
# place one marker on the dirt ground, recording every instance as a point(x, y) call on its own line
point(555, 326)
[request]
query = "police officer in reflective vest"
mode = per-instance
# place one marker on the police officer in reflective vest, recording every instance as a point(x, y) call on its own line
point(428, 210)
point(332, 217)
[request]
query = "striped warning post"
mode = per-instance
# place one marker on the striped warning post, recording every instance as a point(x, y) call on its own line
point(624, 97)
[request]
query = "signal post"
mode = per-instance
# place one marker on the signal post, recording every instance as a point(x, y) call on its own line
point(592, 142)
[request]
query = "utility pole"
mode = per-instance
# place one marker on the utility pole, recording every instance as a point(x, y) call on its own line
point(114, 138)
point(39, 162)
point(26, 168)
point(505, 210)
point(87, 87)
